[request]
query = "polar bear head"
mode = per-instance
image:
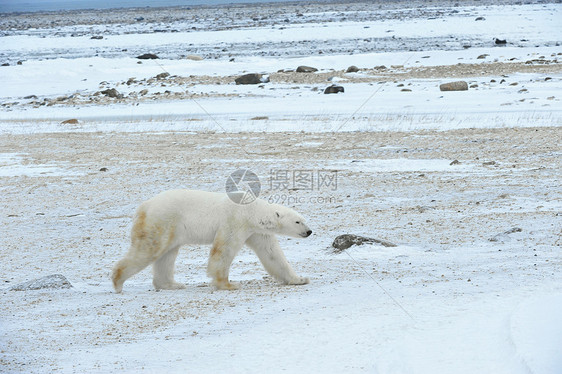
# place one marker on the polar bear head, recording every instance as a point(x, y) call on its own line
point(284, 221)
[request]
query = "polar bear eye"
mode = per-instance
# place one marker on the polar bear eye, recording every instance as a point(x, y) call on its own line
point(298, 222)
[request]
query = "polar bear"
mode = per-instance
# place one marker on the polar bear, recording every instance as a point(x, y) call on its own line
point(178, 217)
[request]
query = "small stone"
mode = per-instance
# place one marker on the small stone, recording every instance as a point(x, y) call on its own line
point(306, 69)
point(72, 121)
point(112, 92)
point(455, 162)
point(194, 58)
point(104, 169)
point(148, 56)
point(252, 79)
point(334, 89)
point(454, 86)
point(352, 69)
point(500, 41)
point(345, 241)
point(480, 19)
point(55, 281)
point(97, 37)
point(162, 76)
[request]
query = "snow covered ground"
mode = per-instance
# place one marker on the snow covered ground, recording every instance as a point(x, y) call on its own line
point(474, 284)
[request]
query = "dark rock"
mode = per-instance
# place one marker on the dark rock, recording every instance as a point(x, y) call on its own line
point(343, 242)
point(352, 69)
point(252, 78)
point(55, 281)
point(162, 76)
point(500, 41)
point(104, 169)
point(306, 69)
point(334, 89)
point(72, 121)
point(5, 64)
point(139, 19)
point(20, 62)
point(480, 19)
point(489, 163)
point(112, 92)
point(454, 86)
point(455, 162)
point(482, 57)
point(148, 56)
point(30, 97)
point(97, 37)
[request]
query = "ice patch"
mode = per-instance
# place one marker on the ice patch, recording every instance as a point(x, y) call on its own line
point(12, 165)
point(536, 329)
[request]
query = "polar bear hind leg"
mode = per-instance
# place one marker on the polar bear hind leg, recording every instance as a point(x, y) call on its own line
point(266, 247)
point(149, 243)
point(163, 271)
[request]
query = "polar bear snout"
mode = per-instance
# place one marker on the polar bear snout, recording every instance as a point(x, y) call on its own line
point(306, 234)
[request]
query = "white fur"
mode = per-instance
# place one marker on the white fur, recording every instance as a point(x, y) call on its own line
point(178, 217)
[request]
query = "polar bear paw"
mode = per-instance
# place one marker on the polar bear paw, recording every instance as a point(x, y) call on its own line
point(170, 286)
point(298, 281)
point(229, 286)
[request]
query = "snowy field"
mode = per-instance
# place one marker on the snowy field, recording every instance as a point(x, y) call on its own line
point(466, 184)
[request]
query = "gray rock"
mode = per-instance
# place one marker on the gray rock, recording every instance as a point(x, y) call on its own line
point(55, 281)
point(454, 86)
point(334, 89)
point(345, 241)
point(148, 56)
point(162, 76)
point(252, 78)
point(352, 69)
point(501, 41)
point(306, 69)
point(112, 92)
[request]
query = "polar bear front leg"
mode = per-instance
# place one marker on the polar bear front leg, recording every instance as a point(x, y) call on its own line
point(225, 247)
point(273, 259)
